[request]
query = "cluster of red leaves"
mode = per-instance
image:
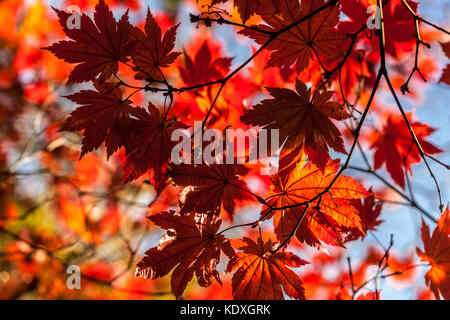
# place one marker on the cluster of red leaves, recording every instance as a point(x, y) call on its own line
point(308, 197)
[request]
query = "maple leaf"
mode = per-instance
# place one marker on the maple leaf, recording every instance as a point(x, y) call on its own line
point(261, 275)
point(445, 77)
point(369, 211)
point(96, 48)
point(394, 145)
point(191, 245)
point(299, 44)
point(398, 22)
point(104, 116)
point(354, 69)
point(288, 160)
point(153, 51)
point(150, 147)
point(326, 218)
point(437, 254)
point(369, 296)
point(301, 120)
point(209, 187)
point(203, 68)
point(247, 8)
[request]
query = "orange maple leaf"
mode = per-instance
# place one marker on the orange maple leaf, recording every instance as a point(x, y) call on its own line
point(437, 254)
point(246, 8)
point(327, 217)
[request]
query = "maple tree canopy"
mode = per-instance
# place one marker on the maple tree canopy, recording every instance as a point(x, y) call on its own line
point(92, 113)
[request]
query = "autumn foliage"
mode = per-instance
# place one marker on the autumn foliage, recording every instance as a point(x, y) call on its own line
point(86, 153)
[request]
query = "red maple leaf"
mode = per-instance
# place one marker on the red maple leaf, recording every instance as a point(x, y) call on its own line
point(437, 254)
point(301, 120)
point(395, 147)
point(398, 22)
point(354, 69)
point(369, 212)
point(445, 77)
point(153, 51)
point(150, 145)
point(261, 275)
point(209, 187)
point(298, 45)
point(104, 116)
point(191, 245)
point(96, 48)
point(327, 217)
point(203, 68)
